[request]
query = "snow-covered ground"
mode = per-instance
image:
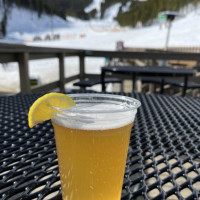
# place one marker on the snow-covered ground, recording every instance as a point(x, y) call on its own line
point(94, 34)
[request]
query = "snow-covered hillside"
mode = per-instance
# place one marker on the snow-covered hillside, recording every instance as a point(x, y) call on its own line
point(23, 20)
point(22, 23)
point(94, 34)
point(102, 34)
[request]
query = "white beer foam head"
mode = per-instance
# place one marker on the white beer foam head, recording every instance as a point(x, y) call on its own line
point(96, 116)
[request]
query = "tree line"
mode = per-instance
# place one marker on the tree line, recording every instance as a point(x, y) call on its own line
point(146, 12)
point(58, 7)
point(51, 7)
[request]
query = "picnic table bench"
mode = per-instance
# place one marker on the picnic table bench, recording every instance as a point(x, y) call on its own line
point(172, 82)
point(163, 159)
point(89, 82)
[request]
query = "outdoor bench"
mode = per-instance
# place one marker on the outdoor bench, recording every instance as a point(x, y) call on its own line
point(89, 82)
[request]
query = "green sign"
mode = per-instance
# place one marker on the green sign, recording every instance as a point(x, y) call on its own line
point(162, 17)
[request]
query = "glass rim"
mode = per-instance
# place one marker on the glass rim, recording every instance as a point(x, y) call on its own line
point(136, 103)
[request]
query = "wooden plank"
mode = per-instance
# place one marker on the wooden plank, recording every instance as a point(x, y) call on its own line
point(8, 57)
point(53, 85)
point(71, 54)
point(23, 60)
point(61, 58)
point(51, 50)
point(71, 78)
point(10, 45)
point(46, 87)
point(36, 56)
point(162, 55)
point(17, 48)
point(144, 55)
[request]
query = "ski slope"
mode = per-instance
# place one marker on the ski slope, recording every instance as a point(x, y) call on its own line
point(94, 34)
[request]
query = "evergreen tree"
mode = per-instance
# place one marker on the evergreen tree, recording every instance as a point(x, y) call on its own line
point(145, 12)
point(5, 11)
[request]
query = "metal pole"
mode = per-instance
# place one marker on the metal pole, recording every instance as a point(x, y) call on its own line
point(82, 66)
point(185, 85)
point(168, 34)
point(167, 41)
point(61, 58)
point(103, 87)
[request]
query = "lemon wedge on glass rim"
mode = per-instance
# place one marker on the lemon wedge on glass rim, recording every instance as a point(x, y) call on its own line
point(41, 110)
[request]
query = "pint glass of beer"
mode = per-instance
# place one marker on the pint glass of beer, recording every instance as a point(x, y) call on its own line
point(92, 141)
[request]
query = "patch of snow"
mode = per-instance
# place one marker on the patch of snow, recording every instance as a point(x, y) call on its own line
point(73, 21)
point(9, 77)
point(126, 7)
point(23, 20)
point(96, 4)
point(112, 11)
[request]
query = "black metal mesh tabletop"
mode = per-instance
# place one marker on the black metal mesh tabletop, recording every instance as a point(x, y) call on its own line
point(163, 160)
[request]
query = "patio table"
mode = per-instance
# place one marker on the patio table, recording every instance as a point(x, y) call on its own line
point(155, 71)
point(163, 159)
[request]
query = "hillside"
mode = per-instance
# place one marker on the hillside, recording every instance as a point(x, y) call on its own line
point(146, 12)
point(127, 12)
point(100, 34)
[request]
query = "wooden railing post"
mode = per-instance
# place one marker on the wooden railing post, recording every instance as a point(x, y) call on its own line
point(23, 60)
point(61, 58)
point(82, 66)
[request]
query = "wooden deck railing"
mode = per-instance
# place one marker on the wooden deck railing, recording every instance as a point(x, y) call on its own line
point(22, 54)
point(191, 49)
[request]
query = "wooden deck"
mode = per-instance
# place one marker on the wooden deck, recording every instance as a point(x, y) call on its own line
point(22, 54)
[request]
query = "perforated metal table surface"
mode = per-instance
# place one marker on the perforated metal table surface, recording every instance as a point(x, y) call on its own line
point(163, 160)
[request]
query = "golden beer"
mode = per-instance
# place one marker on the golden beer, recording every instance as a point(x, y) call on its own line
point(91, 155)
